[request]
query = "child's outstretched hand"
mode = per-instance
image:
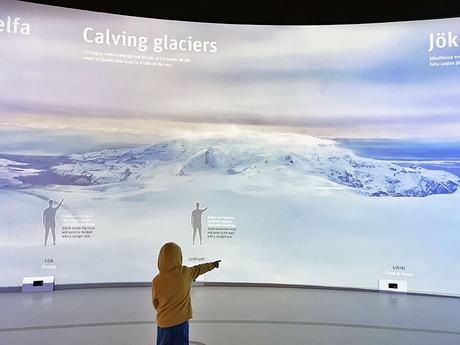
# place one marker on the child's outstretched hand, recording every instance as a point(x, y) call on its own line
point(216, 263)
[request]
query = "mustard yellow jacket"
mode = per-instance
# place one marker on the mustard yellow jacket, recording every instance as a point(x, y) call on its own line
point(171, 287)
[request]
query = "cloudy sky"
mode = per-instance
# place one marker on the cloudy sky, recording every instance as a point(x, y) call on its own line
point(361, 80)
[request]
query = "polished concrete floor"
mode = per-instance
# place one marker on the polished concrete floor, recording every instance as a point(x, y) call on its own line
point(231, 316)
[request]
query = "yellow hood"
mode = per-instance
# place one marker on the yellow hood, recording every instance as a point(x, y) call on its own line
point(171, 287)
point(170, 257)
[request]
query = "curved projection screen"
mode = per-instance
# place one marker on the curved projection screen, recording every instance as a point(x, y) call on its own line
point(317, 155)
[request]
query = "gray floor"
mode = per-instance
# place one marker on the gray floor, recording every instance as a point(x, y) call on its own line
point(231, 316)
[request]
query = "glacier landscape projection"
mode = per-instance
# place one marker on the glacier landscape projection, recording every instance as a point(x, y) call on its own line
point(334, 152)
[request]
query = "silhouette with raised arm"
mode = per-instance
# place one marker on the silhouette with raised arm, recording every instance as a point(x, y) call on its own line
point(196, 221)
point(49, 220)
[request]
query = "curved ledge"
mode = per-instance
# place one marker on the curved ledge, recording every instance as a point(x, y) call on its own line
point(226, 284)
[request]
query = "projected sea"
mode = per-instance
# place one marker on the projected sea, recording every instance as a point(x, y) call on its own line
point(429, 154)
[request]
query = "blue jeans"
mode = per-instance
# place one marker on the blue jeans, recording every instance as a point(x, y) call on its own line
point(175, 335)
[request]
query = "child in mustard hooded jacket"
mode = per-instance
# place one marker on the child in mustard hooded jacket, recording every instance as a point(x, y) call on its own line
point(171, 294)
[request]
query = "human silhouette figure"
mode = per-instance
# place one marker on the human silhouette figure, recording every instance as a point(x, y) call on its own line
point(49, 220)
point(196, 221)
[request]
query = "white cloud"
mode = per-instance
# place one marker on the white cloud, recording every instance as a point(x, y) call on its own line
point(261, 74)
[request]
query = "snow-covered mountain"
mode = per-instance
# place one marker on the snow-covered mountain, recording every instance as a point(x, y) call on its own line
point(247, 155)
